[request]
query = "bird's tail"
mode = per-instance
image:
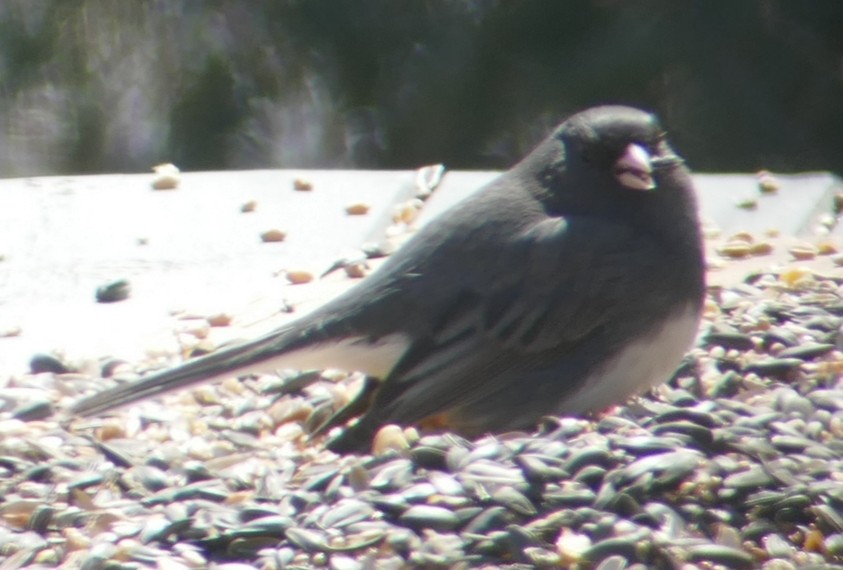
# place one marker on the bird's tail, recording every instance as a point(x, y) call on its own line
point(261, 353)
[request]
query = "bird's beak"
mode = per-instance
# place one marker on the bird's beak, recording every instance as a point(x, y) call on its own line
point(634, 169)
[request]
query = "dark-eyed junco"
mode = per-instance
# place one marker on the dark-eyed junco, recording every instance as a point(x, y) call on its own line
point(570, 282)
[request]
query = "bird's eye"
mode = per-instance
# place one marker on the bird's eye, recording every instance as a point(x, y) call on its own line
point(654, 144)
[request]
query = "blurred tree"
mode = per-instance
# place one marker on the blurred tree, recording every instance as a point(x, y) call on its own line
point(92, 86)
point(204, 118)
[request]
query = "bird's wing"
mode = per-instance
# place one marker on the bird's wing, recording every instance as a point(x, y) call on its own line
point(579, 276)
point(571, 279)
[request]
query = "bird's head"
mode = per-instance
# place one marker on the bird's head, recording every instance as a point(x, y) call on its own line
point(621, 144)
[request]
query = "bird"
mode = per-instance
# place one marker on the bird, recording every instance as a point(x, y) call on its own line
point(564, 286)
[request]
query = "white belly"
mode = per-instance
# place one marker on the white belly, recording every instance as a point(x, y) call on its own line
point(642, 365)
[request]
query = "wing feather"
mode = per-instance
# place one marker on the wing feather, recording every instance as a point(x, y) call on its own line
point(523, 320)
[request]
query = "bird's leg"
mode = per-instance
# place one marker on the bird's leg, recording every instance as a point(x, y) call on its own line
point(359, 404)
point(356, 438)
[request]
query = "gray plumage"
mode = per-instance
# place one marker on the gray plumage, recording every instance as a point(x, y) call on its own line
point(568, 283)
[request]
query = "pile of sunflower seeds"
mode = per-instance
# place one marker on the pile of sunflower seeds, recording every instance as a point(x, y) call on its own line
point(737, 462)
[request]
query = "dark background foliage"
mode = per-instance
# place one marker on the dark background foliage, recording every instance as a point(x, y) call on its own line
point(102, 86)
